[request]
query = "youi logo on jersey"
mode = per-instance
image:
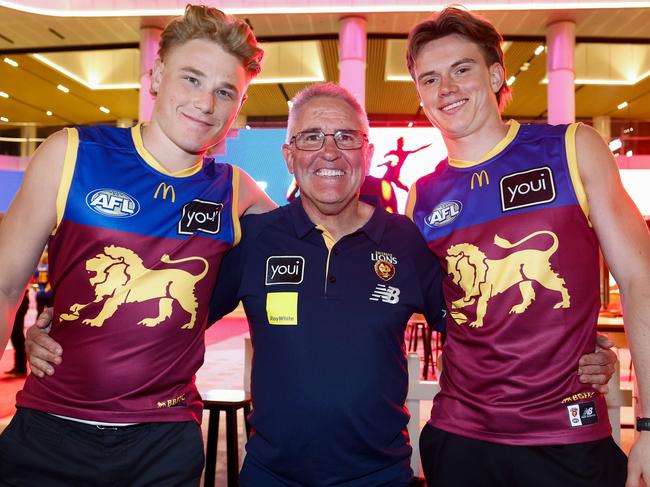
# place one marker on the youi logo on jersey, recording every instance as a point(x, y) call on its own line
point(200, 216)
point(527, 188)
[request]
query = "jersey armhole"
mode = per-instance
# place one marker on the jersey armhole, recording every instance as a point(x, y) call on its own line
point(69, 163)
point(572, 161)
point(410, 202)
point(236, 226)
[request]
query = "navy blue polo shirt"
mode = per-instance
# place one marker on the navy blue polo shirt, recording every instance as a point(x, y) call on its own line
point(327, 323)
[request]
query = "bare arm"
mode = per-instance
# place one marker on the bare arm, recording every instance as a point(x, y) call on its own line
point(252, 199)
point(625, 242)
point(27, 225)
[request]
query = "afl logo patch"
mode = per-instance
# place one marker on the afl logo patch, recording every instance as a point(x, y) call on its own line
point(446, 212)
point(284, 269)
point(113, 203)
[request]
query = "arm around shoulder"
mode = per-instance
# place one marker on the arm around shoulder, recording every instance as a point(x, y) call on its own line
point(251, 198)
point(27, 225)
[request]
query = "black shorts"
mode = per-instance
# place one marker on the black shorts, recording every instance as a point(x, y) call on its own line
point(450, 460)
point(40, 449)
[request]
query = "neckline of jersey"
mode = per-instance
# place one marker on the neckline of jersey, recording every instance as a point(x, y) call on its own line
point(147, 157)
point(513, 130)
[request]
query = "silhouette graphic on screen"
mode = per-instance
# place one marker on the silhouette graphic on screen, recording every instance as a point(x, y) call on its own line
point(394, 167)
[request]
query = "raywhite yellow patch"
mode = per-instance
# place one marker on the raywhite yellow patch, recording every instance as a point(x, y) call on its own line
point(282, 308)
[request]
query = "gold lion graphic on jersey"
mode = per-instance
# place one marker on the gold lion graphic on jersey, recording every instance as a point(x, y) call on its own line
point(482, 278)
point(121, 278)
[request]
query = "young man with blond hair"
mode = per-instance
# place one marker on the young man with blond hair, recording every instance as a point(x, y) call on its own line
point(137, 221)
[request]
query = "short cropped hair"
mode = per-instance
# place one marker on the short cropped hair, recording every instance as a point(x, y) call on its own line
point(454, 20)
point(324, 90)
point(202, 22)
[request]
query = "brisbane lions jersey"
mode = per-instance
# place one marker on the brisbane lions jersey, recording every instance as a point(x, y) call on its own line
point(133, 262)
point(521, 290)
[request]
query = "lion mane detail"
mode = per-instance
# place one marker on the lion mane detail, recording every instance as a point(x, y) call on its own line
point(482, 278)
point(120, 277)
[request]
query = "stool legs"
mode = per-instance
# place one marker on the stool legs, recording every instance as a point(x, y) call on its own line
point(232, 448)
point(247, 411)
point(211, 449)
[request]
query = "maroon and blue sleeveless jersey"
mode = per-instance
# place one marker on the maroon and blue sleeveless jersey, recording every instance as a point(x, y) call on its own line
point(521, 290)
point(133, 262)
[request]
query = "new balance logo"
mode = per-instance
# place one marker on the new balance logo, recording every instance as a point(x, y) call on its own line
point(387, 294)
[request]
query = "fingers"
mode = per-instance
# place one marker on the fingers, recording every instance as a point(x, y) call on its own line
point(43, 352)
point(44, 320)
point(602, 357)
point(603, 341)
point(39, 367)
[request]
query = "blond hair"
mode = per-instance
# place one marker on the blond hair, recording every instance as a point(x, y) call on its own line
point(207, 23)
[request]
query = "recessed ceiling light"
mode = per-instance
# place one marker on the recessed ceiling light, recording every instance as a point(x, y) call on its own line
point(620, 106)
point(104, 109)
point(11, 62)
point(539, 50)
point(63, 88)
point(4, 119)
point(3, 94)
point(48, 113)
point(511, 80)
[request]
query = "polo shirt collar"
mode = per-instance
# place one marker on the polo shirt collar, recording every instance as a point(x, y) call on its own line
point(374, 227)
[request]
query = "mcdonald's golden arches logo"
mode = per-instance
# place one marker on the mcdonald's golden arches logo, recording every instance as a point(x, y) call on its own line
point(166, 188)
point(479, 178)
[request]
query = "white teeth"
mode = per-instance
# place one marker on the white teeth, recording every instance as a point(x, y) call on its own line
point(329, 172)
point(454, 105)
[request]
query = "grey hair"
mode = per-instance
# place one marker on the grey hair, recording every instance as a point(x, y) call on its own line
point(324, 90)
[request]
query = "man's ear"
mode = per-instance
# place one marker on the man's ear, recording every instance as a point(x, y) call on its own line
point(287, 153)
point(241, 104)
point(497, 76)
point(156, 75)
point(368, 161)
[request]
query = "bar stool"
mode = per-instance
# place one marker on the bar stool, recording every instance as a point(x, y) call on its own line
point(229, 401)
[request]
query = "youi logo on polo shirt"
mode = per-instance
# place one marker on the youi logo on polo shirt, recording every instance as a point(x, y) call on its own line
point(112, 203)
point(284, 269)
point(443, 214)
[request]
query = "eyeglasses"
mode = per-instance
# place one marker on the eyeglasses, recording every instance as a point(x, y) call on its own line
point(311, 140)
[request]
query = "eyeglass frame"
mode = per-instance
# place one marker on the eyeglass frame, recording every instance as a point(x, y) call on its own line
point(364, 139)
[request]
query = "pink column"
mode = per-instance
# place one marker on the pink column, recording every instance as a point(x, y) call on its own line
point(149, 38)
point(352, 56)
point(560, 67)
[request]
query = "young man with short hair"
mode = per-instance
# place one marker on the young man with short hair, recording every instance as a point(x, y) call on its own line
point(516, 214)
point(138, 221)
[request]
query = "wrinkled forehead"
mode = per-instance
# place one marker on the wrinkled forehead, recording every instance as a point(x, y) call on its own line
point(327, 114)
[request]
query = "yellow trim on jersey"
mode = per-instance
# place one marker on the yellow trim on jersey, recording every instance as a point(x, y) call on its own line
point(69, 162)
point(513, 129)
point(136, 134)
point(572, 161)
point(235, 206)
point(410, 202)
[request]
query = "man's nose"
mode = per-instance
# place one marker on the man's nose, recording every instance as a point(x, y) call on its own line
point(204, 101)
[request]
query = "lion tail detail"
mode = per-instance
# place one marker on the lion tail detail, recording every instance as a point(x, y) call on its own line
point(505, 244)
point(167, 260)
